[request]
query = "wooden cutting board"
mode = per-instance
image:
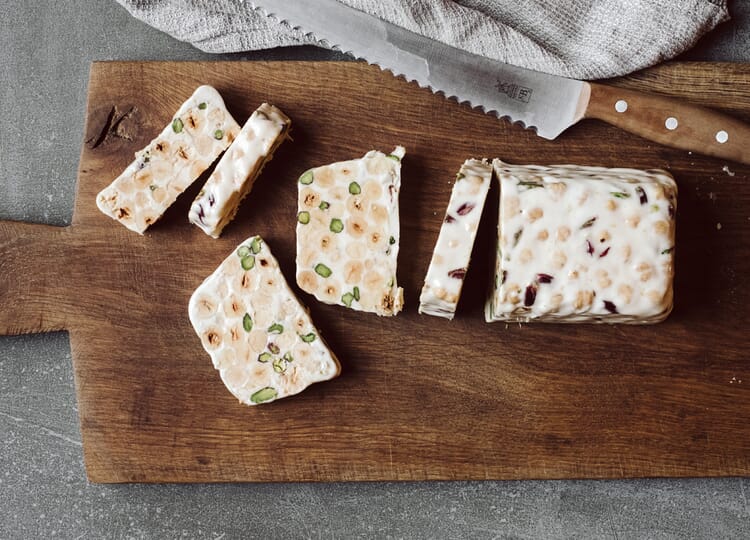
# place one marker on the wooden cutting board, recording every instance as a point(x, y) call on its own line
point(419, 397)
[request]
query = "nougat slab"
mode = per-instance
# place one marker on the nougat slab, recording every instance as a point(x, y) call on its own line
point(450, 259)
point(237, 170)
point(259, 336)
point(348, 233)
point(200, 130)
point(583, 244)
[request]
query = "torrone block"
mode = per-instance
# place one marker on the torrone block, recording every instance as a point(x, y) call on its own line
point(259, 336)
point(583, 244)
point(450, 259)
point(348, 233)
point(237, 170)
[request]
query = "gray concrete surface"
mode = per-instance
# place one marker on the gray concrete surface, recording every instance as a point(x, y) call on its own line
point(46, 50)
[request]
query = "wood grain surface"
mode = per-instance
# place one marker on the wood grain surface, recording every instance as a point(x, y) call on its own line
point(419, 397)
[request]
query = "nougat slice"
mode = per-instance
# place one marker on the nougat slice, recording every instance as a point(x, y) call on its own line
point(450, 259)
point(348, 233)
point(200, 130)
point(259, 336)
point(237, 170)
point(583, 244)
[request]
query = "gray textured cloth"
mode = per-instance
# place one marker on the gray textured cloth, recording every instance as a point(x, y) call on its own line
point(587, 39)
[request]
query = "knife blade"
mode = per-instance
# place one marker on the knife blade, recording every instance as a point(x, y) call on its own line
point(548, 104)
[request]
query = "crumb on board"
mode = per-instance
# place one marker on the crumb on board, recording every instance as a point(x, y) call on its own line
point(734, 380)
point(718, 226)
point(726, 169)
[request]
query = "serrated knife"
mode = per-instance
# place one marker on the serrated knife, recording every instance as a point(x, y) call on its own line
point(548, 104)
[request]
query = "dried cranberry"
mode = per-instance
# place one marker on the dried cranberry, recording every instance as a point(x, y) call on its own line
point(641, 194)
point(530, 296)
point(610, 306)
point(465, 209)
point(604, 253)
point(544, 278)
point(589, 248)
point(449, 218)
point(458, 273)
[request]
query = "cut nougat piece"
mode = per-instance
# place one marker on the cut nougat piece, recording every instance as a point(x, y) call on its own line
point(583, 244)
point(201, 129)
point(348, 233)
point(259, 336)
point(237, 170)
point(450, 259)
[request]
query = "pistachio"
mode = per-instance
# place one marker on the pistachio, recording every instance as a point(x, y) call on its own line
point(274, 348)
point(530, 184)
point(177, 125)
point(264, 394)
point(517, 236)
point(219, 134)
point(275, 328)
point(202, 105)
point(391, 240)
point(288, 357)
point(279, 365)
point(460, 176)
point(303, 217)
point(354, 188)
point(247, 322)
point(322, 270)
point(255, 245)
point(324, 205)
point(306, 178)
point(264, 357)
point(248, 262)
point(336, 225)
point(394, 157)
point(620, 194)
point(355, 292)
point(243, 252)
point(588, 223)
point(667, 251)
point(347, 299)
point(152, 187)
point(308, 338)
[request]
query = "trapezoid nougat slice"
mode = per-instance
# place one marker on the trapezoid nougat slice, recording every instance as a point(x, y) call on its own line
point(259, 336)
point(450, 259)
point(234, 175)
point(348, 233)
point(200, 130)
point(583, 244)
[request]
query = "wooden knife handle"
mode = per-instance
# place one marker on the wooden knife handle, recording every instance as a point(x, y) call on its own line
point(671, 122)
